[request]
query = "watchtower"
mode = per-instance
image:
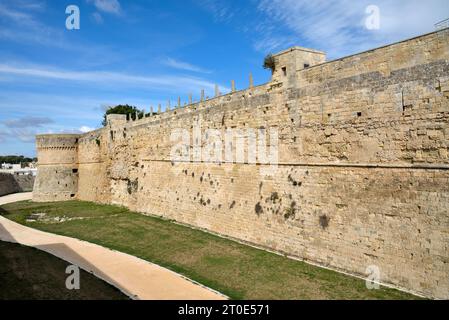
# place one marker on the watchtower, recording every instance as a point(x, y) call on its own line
point(57, 178)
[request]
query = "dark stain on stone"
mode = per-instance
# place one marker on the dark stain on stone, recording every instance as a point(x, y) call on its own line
point(324, 221)
point(294, 182)
point(290, 212)
point(274, 197)
point(258, 209)
point(132, 186)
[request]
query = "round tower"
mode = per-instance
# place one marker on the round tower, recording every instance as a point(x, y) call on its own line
point(57, 174)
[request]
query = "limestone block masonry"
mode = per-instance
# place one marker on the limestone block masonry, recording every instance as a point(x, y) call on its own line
point(11, 183)
point(57, 178)
point(363, 173)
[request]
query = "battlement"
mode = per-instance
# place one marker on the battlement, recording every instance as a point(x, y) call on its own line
point(57, 178)
point(293, 60)
point(299, 68)
point(57, 140)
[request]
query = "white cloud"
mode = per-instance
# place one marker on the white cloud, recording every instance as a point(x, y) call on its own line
point(27, 122)
point(33, 5)
point(108, 6)
point(184, 66)
point(26, 135)
point(97, 18)
point(23, 129)
point(20, 24)
point(338, 26)
point(105, 78)
point(220, 9)
point(85, 129)
point(14, 14)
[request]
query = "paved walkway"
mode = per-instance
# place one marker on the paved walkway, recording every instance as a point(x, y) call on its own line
point(16, 197)
point(137, 278)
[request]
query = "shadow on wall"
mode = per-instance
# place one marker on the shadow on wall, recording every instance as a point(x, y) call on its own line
point(10, 183)
point(4, 234)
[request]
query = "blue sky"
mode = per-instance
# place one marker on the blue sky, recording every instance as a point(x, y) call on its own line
point(144, 52)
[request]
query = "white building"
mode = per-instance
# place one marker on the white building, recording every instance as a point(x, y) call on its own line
point(17, 169)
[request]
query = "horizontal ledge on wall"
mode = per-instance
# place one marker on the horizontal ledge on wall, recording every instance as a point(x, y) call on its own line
point(68, 163)
point(343, 165)
point(57, 164)
point(287, 164)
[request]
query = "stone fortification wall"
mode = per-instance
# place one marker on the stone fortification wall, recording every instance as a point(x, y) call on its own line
point(361, 176)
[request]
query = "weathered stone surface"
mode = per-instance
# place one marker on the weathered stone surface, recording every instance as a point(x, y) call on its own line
point(11, 183)
point(362, 178)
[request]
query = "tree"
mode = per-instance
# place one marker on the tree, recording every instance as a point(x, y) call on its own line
point(123, 109)
point(269, 63)
point(16, 159)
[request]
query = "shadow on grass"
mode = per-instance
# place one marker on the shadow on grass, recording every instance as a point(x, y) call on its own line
point(62, 251)
point(30, 274)
point(3, 212)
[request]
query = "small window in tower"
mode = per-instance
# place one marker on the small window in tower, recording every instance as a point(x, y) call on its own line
point(284, 71)
point(306, 65)
point(75, 170)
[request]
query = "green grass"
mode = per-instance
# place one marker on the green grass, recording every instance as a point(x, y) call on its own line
point(30, 274)
point(237, 270)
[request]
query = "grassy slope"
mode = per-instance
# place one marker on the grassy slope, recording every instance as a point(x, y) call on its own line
point(239, 271)
point(29, 274)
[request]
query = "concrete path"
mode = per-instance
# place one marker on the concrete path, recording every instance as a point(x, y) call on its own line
point(135, 277)
point(16, 197)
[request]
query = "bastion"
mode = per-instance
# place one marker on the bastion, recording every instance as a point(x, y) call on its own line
point(361, 177)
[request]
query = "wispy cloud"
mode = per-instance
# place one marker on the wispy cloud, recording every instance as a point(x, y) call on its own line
point(23, 129)
point(220, 9)
point(176, 64)
point(13, 14)
point(338, 26)
point(105, 78)
point(27, 122)
point(34, 5)
point(107, 6)
point(22, 134)
point(97, 18)
point(19, 23)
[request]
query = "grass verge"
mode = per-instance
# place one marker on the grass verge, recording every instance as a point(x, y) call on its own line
point(237, 270)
